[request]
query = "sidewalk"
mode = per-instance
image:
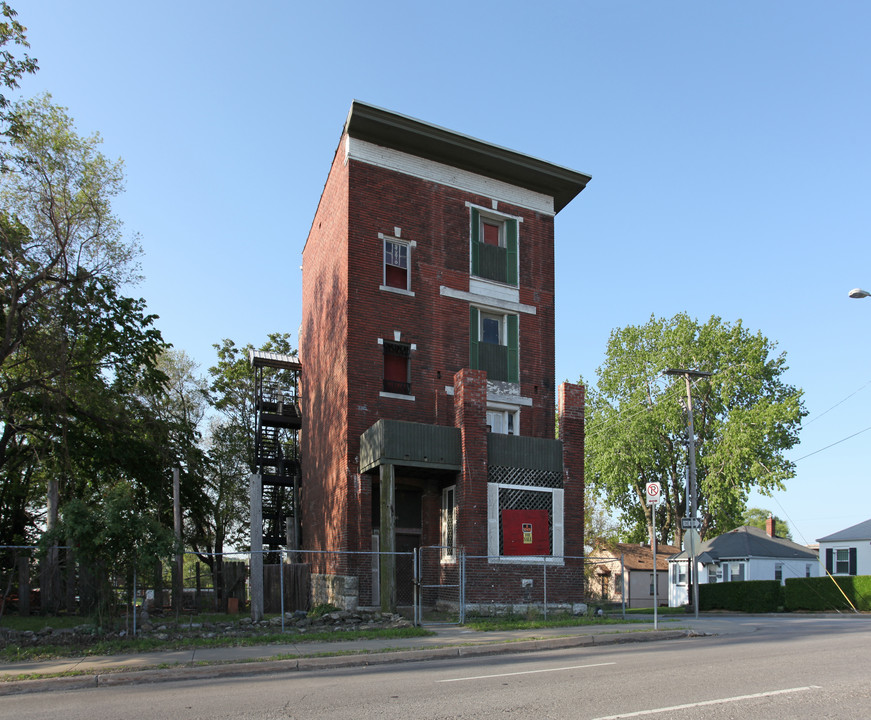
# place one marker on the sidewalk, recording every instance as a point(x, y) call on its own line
point(448, 641)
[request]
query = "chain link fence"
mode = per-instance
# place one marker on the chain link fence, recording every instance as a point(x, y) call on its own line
point(432, 584)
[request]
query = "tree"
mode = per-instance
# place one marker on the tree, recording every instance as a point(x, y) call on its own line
point(221, 516)
point(599, 528)
point(76, 354)
point(12, 69)
point(745, 416)
point(116, 540)
point(232, 384)
point(757, 517)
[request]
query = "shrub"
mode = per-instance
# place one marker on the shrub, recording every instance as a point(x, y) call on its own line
point(749, 596)
point(823, 593)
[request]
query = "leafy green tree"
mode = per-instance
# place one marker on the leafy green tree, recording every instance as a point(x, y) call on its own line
point(113, 539)
point(221, 518)
point(232, 384)
point(12, 69)
point(757, 517)
point(76, 355)
point(745, 415)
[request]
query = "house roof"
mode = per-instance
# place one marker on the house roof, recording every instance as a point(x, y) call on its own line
point(637, 556)
point(747, 542)
point(861, 531)
point(400, 132)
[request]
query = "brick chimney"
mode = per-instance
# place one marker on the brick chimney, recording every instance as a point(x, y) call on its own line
point(769, 526)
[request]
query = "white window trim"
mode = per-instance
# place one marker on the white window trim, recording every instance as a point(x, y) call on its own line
point(449, 552)
point(503, 325)
point(501, 218)
point(507, 410)
point(558, 549)
point(492, 213)
point(397, 337)
point(411, 245)
point(396, 396)
point(846, 549)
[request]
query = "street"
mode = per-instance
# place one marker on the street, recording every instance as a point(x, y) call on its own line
point(775, 668)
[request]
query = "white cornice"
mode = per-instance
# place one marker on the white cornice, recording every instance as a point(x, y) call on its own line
point(424, 169)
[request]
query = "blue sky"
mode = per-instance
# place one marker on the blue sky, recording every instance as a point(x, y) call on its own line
point(728, 143)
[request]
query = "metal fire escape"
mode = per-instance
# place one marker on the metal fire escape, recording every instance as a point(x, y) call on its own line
point(276, 445)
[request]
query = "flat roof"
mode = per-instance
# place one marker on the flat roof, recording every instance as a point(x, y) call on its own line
point(262, 358)
point(406, 134)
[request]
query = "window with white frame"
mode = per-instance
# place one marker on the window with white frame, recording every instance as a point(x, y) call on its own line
point(503, 422)
point(841, 561)
point(679, 573)
point(494, 244)
point(807, 570)
point(397, 368)
point(494, 344)
point(778, 572)
point(713, 573)
point(733, 571)
point(396, 265)
point(524, 521)
point(449, 524)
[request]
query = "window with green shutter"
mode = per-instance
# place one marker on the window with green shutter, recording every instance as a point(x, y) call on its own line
point(494, 247)
point(494, 344)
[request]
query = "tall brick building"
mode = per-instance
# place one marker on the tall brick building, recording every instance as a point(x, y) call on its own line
point(427, 347)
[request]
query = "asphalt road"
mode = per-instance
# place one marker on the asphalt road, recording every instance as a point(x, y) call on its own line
point(777, 669)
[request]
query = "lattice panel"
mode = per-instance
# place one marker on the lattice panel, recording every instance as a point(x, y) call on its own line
point(524, 476)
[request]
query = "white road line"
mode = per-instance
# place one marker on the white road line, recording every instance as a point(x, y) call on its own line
point(720, 701)
point(525, 672)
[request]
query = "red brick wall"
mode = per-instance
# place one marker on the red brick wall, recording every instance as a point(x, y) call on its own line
point(345, 313)
point(470, 415)
point(326, 487)
point(437, 219)
point(571, 410)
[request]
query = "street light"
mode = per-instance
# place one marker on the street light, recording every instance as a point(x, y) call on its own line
point(859, 293)
point(692, 467)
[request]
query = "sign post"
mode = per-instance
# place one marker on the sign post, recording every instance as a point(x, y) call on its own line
point(654, 495)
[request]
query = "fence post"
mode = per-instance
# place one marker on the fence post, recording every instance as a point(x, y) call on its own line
point(255, 561)
point(462, 580)
point(415, 581)
point(281, 583)
point(134, 601)
point(544, 563)
point(623, 584)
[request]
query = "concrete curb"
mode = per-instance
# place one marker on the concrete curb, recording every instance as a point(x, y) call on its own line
point(264, 667)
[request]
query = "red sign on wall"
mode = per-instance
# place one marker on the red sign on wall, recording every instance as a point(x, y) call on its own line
point(525, 532)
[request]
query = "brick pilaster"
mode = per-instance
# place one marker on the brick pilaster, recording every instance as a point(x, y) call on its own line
point(470, 416)
point(571, 415)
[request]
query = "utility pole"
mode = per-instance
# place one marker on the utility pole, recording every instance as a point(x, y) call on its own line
point(691, 451)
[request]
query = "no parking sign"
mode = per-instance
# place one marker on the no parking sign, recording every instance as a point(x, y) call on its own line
point(653, 491)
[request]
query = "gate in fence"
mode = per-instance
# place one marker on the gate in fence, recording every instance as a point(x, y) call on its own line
point(440, 583)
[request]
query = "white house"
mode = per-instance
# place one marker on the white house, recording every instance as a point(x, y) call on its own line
point(848, 552)
point(746, 553)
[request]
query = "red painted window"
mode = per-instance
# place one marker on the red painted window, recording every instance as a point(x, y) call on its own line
point(396, 368)
point(491, 233)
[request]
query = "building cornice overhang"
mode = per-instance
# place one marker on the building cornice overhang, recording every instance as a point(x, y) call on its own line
point(415, 137)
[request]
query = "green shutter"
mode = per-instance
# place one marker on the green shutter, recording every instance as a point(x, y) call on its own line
point(513, 350)
point(476, 242)
point(511, 247)
point(473, 337)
